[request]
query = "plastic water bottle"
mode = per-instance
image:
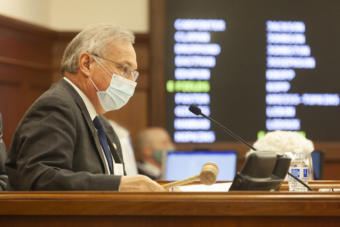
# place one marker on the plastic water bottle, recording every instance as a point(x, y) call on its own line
point(299, 168)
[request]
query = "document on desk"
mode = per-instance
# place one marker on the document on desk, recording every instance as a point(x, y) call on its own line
point(219, 187)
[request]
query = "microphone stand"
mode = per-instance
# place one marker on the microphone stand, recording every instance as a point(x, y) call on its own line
point(196, 110)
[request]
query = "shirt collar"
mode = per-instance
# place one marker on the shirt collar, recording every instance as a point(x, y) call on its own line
point(89, 106)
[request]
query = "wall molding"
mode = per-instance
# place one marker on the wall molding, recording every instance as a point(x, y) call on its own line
point(23, 63)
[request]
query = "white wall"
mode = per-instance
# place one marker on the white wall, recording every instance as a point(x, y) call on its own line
point(32, 11)
point(76, 14)
point(73, 15)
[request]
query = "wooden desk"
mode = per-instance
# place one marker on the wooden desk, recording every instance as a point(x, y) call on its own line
point(169, 209)
point(316, 185)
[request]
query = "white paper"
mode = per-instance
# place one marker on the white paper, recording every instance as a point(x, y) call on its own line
point(219, 187)
point(118, 169)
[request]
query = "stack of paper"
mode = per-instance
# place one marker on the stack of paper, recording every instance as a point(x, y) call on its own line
point(219, 187)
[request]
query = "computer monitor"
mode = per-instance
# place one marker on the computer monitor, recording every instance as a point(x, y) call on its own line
point(261, 171)
point(179, 165)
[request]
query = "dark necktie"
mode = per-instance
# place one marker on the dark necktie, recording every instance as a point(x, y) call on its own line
point(103, 142)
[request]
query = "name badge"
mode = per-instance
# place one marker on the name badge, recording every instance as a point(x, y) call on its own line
point(118, 169)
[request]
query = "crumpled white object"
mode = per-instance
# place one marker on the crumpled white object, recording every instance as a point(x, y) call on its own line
point(284, 142)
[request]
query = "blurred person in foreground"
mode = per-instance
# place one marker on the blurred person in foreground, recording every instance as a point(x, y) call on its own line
point(62, 142)
point(286, 142)
point(151, 145)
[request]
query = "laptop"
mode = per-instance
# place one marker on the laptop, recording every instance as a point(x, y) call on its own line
point(179, 165)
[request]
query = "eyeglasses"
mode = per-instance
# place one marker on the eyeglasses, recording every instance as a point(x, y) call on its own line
point(124, 69)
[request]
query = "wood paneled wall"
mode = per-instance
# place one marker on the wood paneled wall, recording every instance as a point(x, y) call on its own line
point(25, 69)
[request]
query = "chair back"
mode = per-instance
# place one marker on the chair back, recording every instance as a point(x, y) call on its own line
point(3, 153)
point(318, 158)
point(3, 157)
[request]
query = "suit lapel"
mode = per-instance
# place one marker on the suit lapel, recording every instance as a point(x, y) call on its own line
point(95, 137)
point(88, 121)
point(113, 141)
point(116, 153)
point(114, 150)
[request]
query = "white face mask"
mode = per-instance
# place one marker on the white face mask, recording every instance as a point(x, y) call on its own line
point(117, 94)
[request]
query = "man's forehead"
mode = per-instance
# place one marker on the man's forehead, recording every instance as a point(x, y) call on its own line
point(122, 52)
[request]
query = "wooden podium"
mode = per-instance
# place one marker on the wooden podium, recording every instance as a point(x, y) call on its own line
point(170, 209)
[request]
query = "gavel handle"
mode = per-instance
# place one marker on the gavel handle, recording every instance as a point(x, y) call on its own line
point(181, 182)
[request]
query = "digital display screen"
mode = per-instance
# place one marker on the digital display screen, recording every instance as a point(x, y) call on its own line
point(255, 66)
point(184, 164)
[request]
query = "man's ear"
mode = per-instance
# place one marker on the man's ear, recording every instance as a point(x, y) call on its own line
point(84, 63)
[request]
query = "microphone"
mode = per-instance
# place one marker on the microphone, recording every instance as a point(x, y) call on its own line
point(197, 111)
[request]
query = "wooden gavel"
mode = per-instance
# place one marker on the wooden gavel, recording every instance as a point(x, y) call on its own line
point(207, 176)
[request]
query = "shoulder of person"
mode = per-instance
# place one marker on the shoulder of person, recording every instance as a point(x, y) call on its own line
point(59, 100)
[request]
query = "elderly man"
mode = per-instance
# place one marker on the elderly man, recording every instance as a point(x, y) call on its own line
point(62, 143)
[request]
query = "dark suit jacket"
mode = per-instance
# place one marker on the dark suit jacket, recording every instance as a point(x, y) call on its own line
point(56, 147)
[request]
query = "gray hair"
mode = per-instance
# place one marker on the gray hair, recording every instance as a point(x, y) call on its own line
point(93, 39)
